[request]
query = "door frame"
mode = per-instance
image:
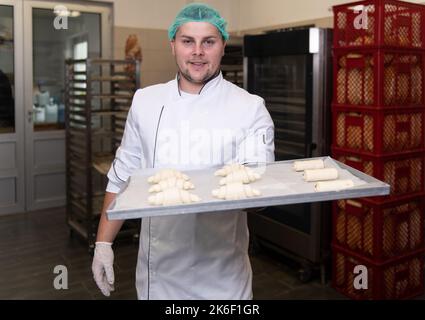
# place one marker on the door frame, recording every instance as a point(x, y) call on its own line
point(31, 137)
point(17, 137)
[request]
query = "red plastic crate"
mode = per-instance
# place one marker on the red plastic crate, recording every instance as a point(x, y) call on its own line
point(403, 172)
point(378, 78)
point(379, 23)
point(379, 232)
point(402, 278)
point(378, 132)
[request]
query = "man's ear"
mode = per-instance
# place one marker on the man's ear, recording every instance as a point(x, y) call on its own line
point(172, 43)
point(224, 47)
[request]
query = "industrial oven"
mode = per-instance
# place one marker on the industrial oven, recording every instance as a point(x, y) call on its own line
point(291, 70)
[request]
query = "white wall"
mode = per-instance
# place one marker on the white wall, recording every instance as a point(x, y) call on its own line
point(229, 9)
point(151, 14)
point(158, 14)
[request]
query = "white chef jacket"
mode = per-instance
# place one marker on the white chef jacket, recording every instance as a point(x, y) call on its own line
point(203, 255)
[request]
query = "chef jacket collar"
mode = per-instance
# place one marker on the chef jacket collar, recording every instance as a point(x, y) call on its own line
point(209, 86)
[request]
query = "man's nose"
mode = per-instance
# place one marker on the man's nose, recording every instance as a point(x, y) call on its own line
point(198, 50)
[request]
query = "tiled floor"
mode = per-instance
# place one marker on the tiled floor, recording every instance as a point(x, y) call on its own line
point(32, 244)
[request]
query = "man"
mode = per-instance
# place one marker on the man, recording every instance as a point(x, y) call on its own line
point(197, 120)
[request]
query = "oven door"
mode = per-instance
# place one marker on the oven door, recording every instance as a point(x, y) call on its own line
point(281, 69)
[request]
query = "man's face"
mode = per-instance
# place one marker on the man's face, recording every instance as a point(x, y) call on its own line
point(198, 48)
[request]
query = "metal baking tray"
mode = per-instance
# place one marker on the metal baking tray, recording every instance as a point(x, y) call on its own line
point(279, 185)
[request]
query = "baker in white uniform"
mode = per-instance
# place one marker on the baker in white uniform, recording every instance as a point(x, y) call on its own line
point(196, 120)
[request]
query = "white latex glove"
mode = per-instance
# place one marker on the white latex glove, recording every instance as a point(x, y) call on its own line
point(102, 267)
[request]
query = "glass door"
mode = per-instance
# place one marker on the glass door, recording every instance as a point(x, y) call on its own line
point(12, 194)
point(53, 34)
point(51, 47)
point(36, 37)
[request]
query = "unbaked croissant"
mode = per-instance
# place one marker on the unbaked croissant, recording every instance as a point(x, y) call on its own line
point(172, 196)
point(235, 191)
point(165, 174)
point(229, 169)
point(172, 182)
point(244, 176)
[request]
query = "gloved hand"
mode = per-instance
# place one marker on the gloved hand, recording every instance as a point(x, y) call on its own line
point(102, 267)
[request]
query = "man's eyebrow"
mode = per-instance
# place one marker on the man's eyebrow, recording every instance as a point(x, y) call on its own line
point(205, 38)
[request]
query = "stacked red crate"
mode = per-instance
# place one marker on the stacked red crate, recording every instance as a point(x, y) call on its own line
point(378, 119)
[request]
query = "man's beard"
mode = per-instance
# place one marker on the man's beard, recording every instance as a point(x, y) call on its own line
point(208, 76)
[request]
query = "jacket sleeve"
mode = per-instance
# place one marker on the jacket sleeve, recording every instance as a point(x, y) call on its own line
point(258, 143)
point(129, 154)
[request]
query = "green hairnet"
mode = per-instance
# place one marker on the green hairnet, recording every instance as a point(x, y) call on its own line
point(198, 12)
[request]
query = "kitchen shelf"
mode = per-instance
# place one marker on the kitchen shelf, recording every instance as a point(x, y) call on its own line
point(97, 101)
point(102, 164)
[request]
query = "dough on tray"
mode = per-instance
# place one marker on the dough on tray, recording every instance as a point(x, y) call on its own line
point(172, 182)
point(244, 176)
point(227, 169)
point(334, 185)
point(165, 174)
point(172, 196)
point(308, 164)
point(235, 191)
point(320, 174)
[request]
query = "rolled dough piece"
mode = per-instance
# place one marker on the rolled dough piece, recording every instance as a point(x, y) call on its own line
point(165, 174)
point(333, 185)
point(320, 174)
point(235, 191)
point(172, 182)
point(172, 196)
point(308, 164)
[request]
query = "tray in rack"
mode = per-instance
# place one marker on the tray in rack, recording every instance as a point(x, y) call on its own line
point(279, 185)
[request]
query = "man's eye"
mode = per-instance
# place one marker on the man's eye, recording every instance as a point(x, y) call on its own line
point(187, 41)
point(209, 42)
